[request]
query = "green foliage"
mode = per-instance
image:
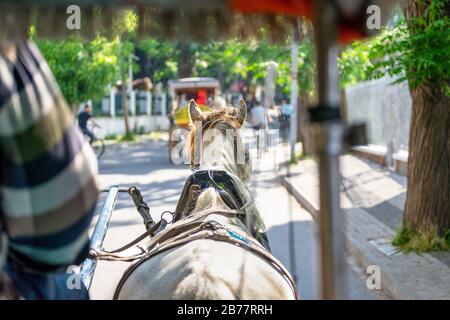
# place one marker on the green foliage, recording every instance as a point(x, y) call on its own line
point(306, 67)
point(156, 135)
point(409, 239)
point(126, 24)
point(227, 61)
point(130, 137)
point(112, 136)
point(230, 60)
point(161, 59)
point(82, 69)
point(416, 50)
point(354, 63)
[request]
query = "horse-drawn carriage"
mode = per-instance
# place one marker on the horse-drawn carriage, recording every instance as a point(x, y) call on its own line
point(334, 21)
point(202, 90)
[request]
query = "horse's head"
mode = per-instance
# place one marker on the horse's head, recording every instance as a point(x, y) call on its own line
point(215, 141)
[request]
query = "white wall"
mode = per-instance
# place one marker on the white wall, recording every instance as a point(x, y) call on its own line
point(116, 125)
point(386, 109)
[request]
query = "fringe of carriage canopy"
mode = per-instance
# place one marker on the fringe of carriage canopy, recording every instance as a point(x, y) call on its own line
point(170, 19)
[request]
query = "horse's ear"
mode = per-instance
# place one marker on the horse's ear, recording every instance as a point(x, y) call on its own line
point(195, 113)
point(241, 111)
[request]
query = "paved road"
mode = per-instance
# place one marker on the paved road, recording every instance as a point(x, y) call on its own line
point(147, 166)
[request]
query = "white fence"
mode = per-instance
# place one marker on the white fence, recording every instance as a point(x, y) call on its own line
point(147, 112)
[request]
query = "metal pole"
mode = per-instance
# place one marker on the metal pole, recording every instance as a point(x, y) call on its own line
point(130, 73)
point(101, 227)
point(329, 138)
point(294, 91)
point(112, 102)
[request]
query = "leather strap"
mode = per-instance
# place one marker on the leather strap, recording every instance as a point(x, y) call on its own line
point(205, 230)
point(156, 237)
point(184, 231)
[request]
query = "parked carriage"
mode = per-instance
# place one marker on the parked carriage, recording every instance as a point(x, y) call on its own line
point(202, 90)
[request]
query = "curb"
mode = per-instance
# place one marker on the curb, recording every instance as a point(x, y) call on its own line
point(302, 199)
point(361, 257)
point(126, 144)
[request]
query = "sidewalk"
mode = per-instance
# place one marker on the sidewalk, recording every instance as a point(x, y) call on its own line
point(372, 199)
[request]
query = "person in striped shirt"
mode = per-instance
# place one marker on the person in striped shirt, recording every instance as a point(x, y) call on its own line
point(48, 190)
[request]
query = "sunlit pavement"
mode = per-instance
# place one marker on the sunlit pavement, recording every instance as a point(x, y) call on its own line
point(147, 166)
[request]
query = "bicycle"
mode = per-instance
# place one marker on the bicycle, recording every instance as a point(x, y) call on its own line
point(97, 144)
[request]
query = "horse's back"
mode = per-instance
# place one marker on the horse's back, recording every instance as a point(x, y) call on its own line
point(205, 270)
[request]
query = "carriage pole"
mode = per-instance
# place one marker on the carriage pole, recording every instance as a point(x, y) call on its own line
point(328, 132)
point(98, 236)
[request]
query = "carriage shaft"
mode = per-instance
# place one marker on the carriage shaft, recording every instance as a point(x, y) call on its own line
point(98, 236)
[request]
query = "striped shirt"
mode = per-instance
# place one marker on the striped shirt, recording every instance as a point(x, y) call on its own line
point(48, 190)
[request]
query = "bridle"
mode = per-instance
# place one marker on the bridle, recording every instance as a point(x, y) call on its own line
point(196, 165)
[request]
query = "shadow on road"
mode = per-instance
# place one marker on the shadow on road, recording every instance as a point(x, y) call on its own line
point(293, 244)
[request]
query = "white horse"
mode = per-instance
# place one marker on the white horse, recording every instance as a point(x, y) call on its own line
point(206, 268)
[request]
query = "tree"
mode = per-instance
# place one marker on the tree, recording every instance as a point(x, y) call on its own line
point(228, 61)
point(124, 28)
point(417, 50)
point(426, 64)
point(157, 59)
point(306, 79)
point(83, 69)
point(186, 58)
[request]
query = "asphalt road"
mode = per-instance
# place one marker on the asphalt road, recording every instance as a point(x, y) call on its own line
point(291, 230)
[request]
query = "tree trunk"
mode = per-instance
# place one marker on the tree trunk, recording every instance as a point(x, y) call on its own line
point(427, 206)
point(186, 61)
point(304, 132)
point(74, 108)
point(124, 100)
point(344, 111)
point(304, 128)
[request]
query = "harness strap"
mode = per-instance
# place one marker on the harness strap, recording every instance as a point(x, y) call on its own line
point(154, 231)
point(213, 231)
point(191, 229)
point(149, 233)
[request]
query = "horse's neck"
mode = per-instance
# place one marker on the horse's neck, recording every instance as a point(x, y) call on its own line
point(219, 154)
point(216, 155)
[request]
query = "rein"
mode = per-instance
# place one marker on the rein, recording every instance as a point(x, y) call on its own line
point(157, 237)
point(200, 230)
point(187, 228)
